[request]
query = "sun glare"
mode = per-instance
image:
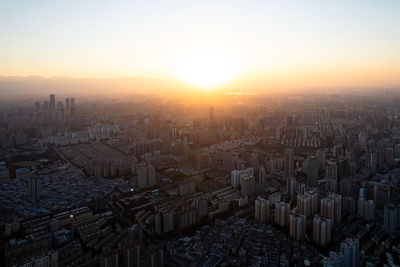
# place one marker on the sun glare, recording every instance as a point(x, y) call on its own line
point(206, 69)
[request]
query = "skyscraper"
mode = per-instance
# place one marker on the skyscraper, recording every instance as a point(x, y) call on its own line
point(321, 154)
point(291, 183)
point(312, 173)
point(282, 211)
point(262, 176)
point(289, 172)
point(289, 163)
point(52, 102)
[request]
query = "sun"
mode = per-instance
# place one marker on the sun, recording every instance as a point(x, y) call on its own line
point(206, 68)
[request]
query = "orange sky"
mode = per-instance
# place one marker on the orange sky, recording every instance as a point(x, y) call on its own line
point(229, 45)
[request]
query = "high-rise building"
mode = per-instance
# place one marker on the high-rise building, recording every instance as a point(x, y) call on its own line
point(282, 211)
point(201, 207)
point(262, 176)
point(348, 256)
point(238, 175)
point(304, 205)
point(235, 178)
point(391, 218)
point(382, 194)
point(321, 155)
point(261, 209)
point(321, 231)
point(164, 222)
point(155, 257)
point(34, 188)
point(307, 203)
point(350, 249)
point(397, 151)
point(313, 195)
point(331, 184)
point(373, 161)
point(331, 208)
point(52, 102)
point(298, 226)
point(312, 173)
point(131, 254)
point(291, 186)
point(363, 193)
point(142, 176)
point(366, 209)
point(248, 185)
point(289, 163)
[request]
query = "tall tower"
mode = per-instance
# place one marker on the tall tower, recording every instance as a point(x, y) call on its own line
point(52, 102)
point(289, 162)
point(312, 173)
point(289, 172)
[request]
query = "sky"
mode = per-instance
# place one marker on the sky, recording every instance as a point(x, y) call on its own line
point(252, 44)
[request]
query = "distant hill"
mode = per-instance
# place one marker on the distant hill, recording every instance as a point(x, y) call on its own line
point(36, 85)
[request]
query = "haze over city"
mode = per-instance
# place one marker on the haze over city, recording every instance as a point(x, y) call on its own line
point(200, 133)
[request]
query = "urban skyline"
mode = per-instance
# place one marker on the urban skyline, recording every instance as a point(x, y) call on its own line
point(199, 133)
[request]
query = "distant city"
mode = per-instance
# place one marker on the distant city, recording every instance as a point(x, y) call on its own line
point(299, 180)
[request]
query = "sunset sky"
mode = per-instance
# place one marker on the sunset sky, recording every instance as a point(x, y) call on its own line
point(206, 43)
